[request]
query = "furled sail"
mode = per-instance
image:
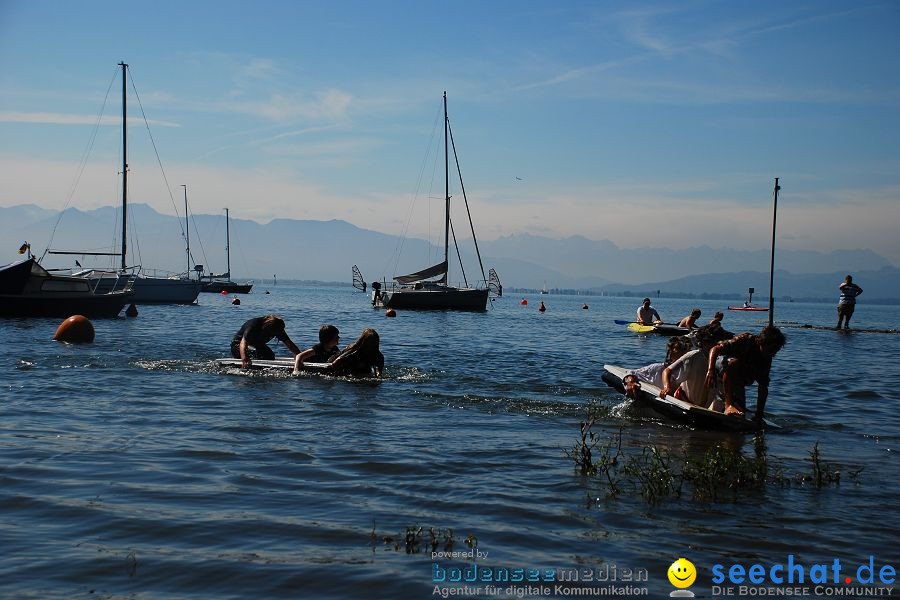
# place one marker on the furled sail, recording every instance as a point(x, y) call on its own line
point(436, 270)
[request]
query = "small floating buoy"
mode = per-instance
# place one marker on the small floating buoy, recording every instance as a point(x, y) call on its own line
point(236, 301)
point(390, 312)
point(131, 311)
point(77, 329)
point(524, 302)
point(267, 291)
point(542, 308)
point(584, 306)
point(224, 293)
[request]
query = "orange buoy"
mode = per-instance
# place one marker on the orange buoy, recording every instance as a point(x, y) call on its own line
point(131, 311)
point(584, 306)
point(524, 302)
point(390, 312)
point(542, 308)
point(236, 301)
point(76, 330)
point(224, 293)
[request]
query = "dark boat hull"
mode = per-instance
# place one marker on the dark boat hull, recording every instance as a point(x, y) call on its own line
point(229, 287)
point(430, 298)
point(64, 305)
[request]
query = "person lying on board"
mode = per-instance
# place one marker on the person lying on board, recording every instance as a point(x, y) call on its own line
point(675, 348)
point(250, 340)
point(647, 315)
point(739, 362)
point(685, 378)
point(324, 351)
point(690, 321)
point(362, 358)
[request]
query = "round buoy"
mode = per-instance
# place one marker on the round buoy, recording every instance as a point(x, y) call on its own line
point(131, 311)
point(523, 302)
point(267, 291)
point(542, 308)
point(224, 293)
point(390, 312)
point(584, 306)
point(76, 330)
point(236, 301)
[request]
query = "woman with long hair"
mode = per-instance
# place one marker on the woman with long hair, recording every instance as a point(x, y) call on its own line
point(361, 358)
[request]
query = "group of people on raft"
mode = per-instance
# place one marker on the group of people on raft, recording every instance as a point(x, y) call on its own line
point(361, 358)
point(715, 374)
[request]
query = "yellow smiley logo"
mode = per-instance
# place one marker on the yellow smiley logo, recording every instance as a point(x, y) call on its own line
point(682, 573)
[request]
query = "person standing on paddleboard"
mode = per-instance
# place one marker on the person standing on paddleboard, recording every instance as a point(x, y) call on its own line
point(847, 303)
point(647, 315)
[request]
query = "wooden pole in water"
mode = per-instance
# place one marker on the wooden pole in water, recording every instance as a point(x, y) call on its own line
point(772, 262)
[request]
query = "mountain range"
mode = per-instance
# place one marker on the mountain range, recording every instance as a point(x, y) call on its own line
point(325, 251)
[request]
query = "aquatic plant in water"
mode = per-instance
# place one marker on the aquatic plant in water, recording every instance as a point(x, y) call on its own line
point(720, 474)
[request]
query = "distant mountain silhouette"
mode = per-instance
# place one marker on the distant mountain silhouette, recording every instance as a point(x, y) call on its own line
point(325, 251)
point(881, 284)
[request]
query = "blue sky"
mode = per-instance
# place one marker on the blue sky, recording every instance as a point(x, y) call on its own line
point(648, 124)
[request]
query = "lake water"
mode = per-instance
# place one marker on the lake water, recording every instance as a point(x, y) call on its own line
point(133, 468)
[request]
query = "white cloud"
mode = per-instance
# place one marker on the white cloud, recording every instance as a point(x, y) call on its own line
point(64, 119)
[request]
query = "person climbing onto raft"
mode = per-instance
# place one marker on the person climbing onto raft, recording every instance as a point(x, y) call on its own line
point(739, 362)
point(250, 340)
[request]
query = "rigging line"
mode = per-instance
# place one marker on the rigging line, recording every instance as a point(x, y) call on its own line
point(458, 256)
point(468, 212)
point(82, 164)
point(241, 250)
point(135, 241)
point(199, 241)
point(155, 150)
point(401, 239)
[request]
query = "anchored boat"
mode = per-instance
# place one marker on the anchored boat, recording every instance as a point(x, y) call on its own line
point(420, 290)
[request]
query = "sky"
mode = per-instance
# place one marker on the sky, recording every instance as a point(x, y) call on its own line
point(647, 124)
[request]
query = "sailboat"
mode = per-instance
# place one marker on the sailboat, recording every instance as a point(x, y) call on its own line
point(544, 289)
point(420, 290)
point(29, 290)
point(223, 283)
point(148, 289)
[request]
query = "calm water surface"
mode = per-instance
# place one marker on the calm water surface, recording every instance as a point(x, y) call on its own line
point(132, 468)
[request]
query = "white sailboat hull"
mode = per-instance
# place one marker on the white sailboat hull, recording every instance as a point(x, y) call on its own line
point(150, 290)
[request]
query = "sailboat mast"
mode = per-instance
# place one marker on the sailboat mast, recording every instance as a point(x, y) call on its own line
point(772, 262)
point(187, 229)
point(227, 245)
point(446, 193)
point(124, 162)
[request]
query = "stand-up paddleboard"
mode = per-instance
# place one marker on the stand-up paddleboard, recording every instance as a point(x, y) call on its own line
point(662, 328)
point(679, 410)
point(278, 363)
